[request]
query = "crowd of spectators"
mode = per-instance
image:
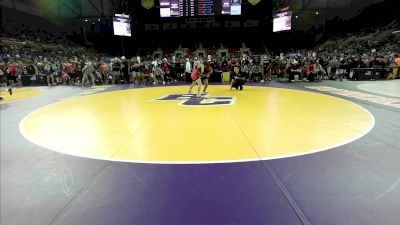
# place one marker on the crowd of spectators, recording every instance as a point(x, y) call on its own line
point(28, 53)
point(43, 53)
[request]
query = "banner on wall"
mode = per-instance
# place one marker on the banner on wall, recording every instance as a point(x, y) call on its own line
point(148, 4)
point(254, 2)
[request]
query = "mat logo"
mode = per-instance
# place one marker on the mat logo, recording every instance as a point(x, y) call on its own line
point(205, 100)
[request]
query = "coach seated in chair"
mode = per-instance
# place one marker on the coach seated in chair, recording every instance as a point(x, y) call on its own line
point(49, 74)
point(158, 75)
point(293, 71)
point(147, 75)
point(309, 74)
point(256, 72)
point(319, 71)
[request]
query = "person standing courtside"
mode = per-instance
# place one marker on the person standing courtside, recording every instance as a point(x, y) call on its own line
point(125, 70)
point(188, 68)
point(88, 77)
point(135, 68)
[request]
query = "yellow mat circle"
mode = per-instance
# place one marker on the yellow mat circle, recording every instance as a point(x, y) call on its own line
point(257, 123)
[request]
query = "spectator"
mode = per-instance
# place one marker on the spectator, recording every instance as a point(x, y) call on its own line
point(88, 74)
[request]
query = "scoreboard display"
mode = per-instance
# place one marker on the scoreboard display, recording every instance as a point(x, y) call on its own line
point(122, 25)
point(191, 8)
point(282, 21)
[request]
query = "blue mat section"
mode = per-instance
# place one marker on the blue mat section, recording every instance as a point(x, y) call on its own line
point(181, 194)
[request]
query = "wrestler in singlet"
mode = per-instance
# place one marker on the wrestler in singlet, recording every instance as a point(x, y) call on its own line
point(205, 71)
point(196, 80)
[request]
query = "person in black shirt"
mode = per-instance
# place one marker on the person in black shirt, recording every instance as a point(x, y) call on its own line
point(238, 79)
point(135, 68)
point(342, 68)
point(125, 70)
point(116, 68)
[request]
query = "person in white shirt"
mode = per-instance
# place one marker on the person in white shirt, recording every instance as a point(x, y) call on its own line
point(188, 68)
point(154, 63)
